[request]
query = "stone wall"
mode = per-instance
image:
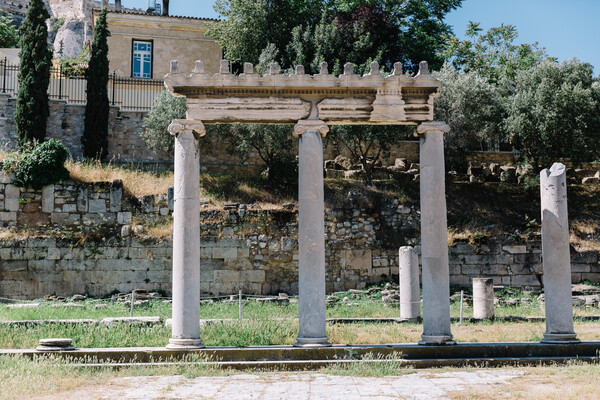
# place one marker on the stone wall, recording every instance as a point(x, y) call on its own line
point(243, 247)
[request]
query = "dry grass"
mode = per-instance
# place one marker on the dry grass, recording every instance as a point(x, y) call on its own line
point(571, 382)
point(137, 183)
point(481, 333)
point(585, 235)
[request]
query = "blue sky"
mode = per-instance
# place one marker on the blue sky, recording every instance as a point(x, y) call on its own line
point(566, 29)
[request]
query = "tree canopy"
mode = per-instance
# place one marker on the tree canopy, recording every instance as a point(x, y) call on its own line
point(337, 31)
point(34, 75)
point(95, 134)
point(493, 54)
point(9, 36)
point(555, 113)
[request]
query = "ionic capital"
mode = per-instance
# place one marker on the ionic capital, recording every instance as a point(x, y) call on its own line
point(179, 125)
point(432, 126)
point(310, 125)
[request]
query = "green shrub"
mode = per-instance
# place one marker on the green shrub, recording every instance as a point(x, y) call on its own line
point(166, 108)
point(43, 166)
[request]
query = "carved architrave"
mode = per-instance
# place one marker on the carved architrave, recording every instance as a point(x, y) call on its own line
point(248, 109)
point(310, 125)
point(279, 98)
point(344, 109)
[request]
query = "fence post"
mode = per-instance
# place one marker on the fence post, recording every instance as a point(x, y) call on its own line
point(4, 77)
point(114, 75)
point(60, 81)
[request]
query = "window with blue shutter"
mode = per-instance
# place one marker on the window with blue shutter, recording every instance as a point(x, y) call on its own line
point(142, 59)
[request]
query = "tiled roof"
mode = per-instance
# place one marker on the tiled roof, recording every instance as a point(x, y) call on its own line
point(157, 15)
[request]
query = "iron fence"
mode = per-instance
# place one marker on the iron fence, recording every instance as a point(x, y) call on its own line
point(134, 94)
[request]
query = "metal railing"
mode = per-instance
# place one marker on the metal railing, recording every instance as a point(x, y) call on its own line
point(134, 94)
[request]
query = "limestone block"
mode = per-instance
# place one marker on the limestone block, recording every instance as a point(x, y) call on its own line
point(224, 252)
point(11, 198)
point(97, 206)
point(580, 267)
point(243, 252)
point(225, 276)
point(43, 266)
point(585, 257)
point(524, 280)
point(171, 197)
point(252, 276)
point(238, 264)
point(65, 218)
point(82, 198)
point(472, 270)
point(5, 178)
point(116, 195)
point(12, 265)
point(359, 259)
point(515, 249)
point(53, 253)
point(48, 199)
point(8, 216)
point(69, 208)
point(124, 217)
point(206, 274)
point(104, 218)
point(206, 252)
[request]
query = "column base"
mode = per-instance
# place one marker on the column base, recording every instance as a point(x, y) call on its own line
point(560, 338)
point(427, 340)
point(185, 344)
point(312, 342)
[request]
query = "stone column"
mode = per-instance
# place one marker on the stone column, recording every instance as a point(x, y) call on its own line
point(410, 293)
point(434, 236)
point(556, 256)
point(311, 234)
point(186, 236)
point(483, 298)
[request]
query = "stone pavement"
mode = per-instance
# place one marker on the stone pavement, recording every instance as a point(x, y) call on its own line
point(426, 385)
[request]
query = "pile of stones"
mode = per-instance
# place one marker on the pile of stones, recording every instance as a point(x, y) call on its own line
point(493, 172)
point(342, 168)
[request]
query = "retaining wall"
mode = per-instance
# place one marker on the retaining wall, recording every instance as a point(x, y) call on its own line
point(242, 247)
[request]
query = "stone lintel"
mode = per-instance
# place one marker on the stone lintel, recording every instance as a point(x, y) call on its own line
point(310, 125)
point(433, 126)
point(180, 125)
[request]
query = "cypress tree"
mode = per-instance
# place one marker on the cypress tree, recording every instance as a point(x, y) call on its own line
point(95, 135)
point(34, 75)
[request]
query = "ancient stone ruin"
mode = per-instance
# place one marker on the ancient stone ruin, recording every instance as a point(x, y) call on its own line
point(312, 102)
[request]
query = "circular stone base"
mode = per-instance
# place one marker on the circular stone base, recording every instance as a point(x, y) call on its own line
point(444, 340)
point(560, 338)
point(312, 342)
point(55, 344)
point(185, 344)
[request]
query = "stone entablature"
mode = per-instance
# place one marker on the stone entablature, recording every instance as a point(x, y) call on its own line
point(278, 98)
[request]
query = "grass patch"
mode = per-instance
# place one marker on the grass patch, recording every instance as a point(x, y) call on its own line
point(374, 366)
point(136, 183)
point(22, 378)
